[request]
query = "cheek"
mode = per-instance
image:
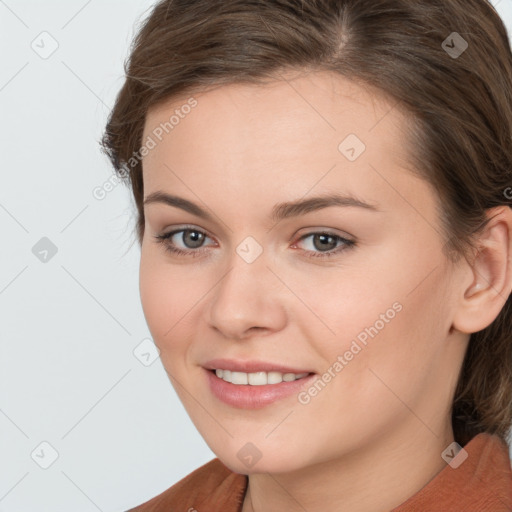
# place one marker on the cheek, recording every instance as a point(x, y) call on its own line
point(374, 378)
point(390, 321)
point(167, 299)
point(398, 362)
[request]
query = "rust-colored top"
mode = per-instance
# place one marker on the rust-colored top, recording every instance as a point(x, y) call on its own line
point(482, 483)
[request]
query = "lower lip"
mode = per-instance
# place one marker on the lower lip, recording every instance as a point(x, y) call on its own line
point(254, 397)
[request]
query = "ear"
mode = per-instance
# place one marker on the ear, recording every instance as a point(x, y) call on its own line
point(490, 274)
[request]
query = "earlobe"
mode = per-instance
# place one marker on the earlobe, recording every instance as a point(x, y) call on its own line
point(491, 268)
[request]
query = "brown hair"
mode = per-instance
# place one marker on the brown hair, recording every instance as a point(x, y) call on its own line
point(460, 105)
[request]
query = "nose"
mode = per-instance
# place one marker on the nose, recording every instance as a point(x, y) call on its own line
point(249, 297)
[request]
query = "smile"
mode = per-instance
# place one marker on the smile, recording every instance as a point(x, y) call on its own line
point(255, 390)
point(257, 378)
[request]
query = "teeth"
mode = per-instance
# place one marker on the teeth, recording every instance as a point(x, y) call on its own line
point(257, 378)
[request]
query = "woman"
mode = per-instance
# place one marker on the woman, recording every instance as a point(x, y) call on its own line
point(324, 200)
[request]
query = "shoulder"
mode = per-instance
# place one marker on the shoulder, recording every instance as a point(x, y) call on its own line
point(213, 484)
point(478, 479)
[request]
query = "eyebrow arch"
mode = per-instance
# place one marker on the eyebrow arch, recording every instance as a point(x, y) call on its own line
point(280, 211)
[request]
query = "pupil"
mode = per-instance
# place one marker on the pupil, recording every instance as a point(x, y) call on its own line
point(324, 238)
point(196, 237)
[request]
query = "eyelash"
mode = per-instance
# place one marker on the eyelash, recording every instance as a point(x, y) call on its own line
point(194, 253)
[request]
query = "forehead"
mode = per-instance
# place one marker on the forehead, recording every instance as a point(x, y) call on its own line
point(316, 101)
point(291, 135)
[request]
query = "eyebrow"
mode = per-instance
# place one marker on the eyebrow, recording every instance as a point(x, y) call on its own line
point(280, 211)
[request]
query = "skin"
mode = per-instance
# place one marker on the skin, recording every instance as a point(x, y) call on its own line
point(374, 435)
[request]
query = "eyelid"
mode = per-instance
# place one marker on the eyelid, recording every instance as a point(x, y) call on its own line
point(312, 230)
point(189, 227)
point(328, 231)
point(346, 243)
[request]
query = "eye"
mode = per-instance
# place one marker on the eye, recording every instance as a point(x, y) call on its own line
point(191, 236)
point(324, 240)
point(193, 239)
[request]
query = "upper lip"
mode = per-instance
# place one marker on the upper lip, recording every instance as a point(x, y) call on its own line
point(251, 366)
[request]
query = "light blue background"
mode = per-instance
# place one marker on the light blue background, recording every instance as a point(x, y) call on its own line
point(69, 327)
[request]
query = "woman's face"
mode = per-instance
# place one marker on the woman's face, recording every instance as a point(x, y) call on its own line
point(367, 307)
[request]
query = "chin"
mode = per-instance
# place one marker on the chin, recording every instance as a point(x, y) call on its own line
point(274, 464)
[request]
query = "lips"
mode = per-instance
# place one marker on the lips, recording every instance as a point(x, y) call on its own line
point(252, 366)
point(251, 396)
